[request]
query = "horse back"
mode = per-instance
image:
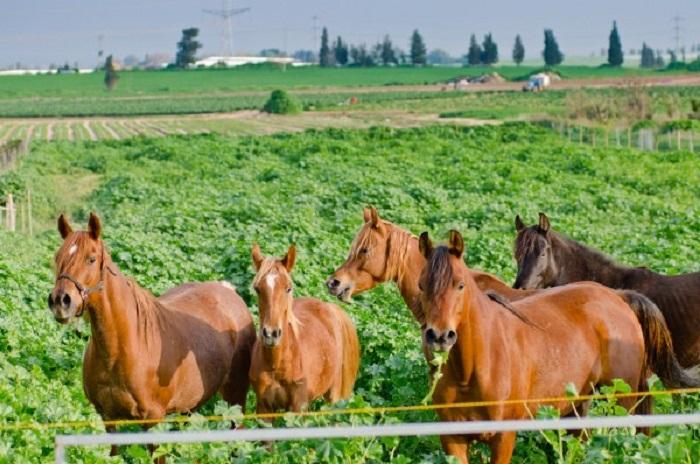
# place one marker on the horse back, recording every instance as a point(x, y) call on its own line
point(217, 303)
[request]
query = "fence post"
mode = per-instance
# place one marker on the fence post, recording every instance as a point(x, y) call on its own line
point(29, 213)
point(678, 139)
point(629, 137)
point(10, 213)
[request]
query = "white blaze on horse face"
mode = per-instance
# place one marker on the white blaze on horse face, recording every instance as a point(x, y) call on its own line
point(270, 280)
point(72, 250)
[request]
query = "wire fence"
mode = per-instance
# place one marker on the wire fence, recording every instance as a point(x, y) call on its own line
point(396, 430)
point(371, 410)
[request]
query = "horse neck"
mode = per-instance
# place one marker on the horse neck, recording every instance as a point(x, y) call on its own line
point(116, 320)
point(578, 262)
point(407, 269)
point(285, 358)
point(474, 334)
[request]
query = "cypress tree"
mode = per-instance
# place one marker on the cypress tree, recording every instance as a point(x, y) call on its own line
point(474, 54)
point(518, 50)
point(387, 52)
point(615, 54)
point(489, 52)
point(341, 52)
point(111, 76)
point(647, 59)
point(552, 55)
point(325, 57)
point(418, 49)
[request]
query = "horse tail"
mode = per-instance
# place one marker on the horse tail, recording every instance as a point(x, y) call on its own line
point(658, 346)
point(351, 354)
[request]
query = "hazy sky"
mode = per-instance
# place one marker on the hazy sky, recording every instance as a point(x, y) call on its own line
point(39, 32)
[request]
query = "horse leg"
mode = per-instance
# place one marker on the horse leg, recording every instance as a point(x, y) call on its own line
point(457, 446)
point(114, 450)
point(502, 445)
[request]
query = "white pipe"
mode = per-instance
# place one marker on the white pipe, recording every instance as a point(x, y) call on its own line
point(396, 430)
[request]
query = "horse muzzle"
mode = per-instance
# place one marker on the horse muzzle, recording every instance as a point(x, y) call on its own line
point(271, 336)
point(338, 289)
point(63, 306)
point(436, 340)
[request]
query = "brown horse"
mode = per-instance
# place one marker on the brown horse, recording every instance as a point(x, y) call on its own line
point(546, 258)
point(307, 348)
point(383, 252)
point(147, 356)
point(584, 334)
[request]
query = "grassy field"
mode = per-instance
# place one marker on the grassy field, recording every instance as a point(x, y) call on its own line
point(224, 90)
point(309, 188)
point(202, 81)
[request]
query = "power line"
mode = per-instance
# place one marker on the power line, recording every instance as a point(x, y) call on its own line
point(226, 13)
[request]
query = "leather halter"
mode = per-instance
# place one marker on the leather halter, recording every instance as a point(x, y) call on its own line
point(84, 291)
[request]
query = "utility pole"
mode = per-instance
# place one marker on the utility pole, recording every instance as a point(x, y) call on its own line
point(226, 13)
point(677, 34)
point(100, 50)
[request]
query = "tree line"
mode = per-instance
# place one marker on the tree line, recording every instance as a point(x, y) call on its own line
point(484, 52)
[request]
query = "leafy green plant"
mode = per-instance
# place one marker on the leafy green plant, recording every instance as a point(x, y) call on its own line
point(281, 102)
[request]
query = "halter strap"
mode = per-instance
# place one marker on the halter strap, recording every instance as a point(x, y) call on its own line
point(85, 292)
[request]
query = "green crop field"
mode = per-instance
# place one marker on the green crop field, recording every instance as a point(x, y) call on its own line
point(182, 208)
point(222, 90)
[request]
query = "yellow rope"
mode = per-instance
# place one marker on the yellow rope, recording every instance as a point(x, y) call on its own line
point(333, 412)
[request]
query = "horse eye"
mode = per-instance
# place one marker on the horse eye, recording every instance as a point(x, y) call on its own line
point(92, 260)
point(420, 286)
point(289, 289)
point(460, 286)
point(364, 251)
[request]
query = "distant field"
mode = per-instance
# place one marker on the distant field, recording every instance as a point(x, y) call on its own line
point(207, 81)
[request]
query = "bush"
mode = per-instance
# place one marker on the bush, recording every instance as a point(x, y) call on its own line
point(281, 102)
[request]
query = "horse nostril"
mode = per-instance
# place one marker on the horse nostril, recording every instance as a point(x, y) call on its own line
point(66, 299)
point(430, 335)
point(451, 335)
point(265, 332)
point(333, 283)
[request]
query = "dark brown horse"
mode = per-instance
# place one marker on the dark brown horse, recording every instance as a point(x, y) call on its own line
point(584, 334)
point(147, 356)
point(307, 348)
point(546, 259)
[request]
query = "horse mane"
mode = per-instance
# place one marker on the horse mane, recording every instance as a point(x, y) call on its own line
point(583, 262)
point(440, 278)
point(503, 301)
point(526, 242)
point(267, 266)
point(439, 271)
point(399, 240)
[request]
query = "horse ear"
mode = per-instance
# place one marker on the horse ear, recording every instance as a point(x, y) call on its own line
point(257, 256)
point(519, 224)
point(371, 215)
point(456, 244)
point(366, 214)
point(94, 226)
point(290, 258)
point(425, 245)
point(64, 227)
point(544, 223)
